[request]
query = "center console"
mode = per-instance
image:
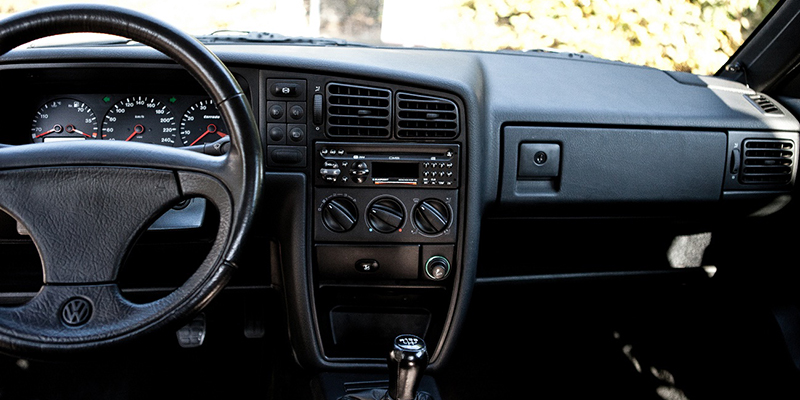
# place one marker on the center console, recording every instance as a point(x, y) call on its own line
point(385, 233)
point(383, 165)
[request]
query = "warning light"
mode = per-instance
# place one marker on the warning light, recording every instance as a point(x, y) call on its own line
point(106, 99)
point(172, 100)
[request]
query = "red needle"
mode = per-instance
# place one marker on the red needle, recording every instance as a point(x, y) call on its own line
point(136, 130)
point(201, 136)
point(84, 134)
point(210, 129)
point(56, 128)
point(44, 133)
point(71, 129)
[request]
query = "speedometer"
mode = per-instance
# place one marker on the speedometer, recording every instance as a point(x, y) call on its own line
point(64, 119)
point(140, 119)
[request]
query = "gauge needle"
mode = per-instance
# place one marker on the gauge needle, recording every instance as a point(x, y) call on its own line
point(136, 130)
point(71, 129)
point(56, 128)
point(44, 133)
point(84, 134)
point(210, 129)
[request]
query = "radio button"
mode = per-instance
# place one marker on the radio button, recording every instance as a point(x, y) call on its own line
point(330, 174)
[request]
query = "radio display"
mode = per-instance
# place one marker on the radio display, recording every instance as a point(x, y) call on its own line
point(395, 171)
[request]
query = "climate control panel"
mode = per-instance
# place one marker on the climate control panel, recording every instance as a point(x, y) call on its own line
point(380, 216)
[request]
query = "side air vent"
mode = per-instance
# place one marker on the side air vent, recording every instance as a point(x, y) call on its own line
point(764, 104)
point(767, 162)
point(358, 111)
point(421, 116)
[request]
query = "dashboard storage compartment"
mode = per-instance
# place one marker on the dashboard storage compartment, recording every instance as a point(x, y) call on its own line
point(357, 326)
point(612, 165)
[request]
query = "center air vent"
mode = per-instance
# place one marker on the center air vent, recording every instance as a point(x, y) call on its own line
point(358, 111)
point(421, 116)
point(767, 162)
point(764, 104)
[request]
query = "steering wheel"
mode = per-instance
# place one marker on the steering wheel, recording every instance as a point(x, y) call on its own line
point(66, 192)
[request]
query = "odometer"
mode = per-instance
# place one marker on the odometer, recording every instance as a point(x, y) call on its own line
point(64, 119)
point(140, 119)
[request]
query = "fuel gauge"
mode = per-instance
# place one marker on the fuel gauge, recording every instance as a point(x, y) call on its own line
point(63, 119)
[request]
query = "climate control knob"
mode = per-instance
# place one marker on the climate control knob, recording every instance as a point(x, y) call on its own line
point(339, 214)
point(385, 215)
point(432, 216)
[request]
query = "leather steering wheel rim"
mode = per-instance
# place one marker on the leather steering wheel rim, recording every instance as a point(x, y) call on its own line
point(152, 176)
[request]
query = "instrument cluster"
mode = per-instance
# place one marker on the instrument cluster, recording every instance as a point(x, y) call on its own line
point(159, 119)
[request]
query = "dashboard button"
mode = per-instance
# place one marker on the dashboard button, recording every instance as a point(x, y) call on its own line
point(276, 133)
point(286, 156)
point(296, 111)
point(276, 111)
point(286, 88)
point(297, 133)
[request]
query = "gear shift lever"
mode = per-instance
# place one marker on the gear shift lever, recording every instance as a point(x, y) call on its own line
point(407, 362)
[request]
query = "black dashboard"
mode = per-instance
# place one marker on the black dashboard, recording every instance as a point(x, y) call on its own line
point(398, 179)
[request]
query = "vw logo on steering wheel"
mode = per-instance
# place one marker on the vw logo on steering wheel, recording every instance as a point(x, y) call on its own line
point(76, 311)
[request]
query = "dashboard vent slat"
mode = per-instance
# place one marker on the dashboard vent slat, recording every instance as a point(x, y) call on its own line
point(764, 104)
point(427, 117)
point(767, 162)
point(358, 111)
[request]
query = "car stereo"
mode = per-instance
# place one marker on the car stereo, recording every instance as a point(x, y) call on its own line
point(432, 166)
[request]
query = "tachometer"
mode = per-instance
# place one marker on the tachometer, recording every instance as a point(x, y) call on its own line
point(140, 119)
point(202, 123)
point(64, 119)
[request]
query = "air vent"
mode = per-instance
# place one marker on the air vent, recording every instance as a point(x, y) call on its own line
point(358, 111)
point(766, 105)
point(767, 162)
point(421, 116)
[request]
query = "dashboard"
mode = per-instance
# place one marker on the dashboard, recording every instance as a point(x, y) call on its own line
point(396, 184)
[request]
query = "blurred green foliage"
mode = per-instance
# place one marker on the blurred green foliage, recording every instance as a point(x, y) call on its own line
point(685, 35)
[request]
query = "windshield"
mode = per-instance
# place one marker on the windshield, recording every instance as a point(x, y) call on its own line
point(684, 35)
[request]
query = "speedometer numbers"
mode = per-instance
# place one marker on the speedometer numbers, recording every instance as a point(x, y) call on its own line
point(140, 119)
point(64, 119)
point(202, 123)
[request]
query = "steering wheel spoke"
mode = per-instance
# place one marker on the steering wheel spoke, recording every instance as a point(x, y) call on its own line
point(69, 313)
point(83, 219)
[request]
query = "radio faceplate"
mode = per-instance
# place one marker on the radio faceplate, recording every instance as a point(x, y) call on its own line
point(421, 166)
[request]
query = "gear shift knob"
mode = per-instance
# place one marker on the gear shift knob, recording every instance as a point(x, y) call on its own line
point(407, 362)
